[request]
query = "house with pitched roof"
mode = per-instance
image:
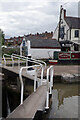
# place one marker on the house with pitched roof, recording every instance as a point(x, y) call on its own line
point(41, 48)
point(67, 32)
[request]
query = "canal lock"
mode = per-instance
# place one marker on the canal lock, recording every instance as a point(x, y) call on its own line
point(11, 93)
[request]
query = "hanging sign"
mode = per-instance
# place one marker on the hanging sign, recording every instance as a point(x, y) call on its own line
point(62, 32)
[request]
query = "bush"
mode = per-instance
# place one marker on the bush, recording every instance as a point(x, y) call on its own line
point(10, 51)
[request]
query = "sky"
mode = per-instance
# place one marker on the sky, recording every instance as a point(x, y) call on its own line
point(19, 17)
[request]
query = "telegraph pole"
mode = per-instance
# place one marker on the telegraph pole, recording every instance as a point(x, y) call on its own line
point(59, 22)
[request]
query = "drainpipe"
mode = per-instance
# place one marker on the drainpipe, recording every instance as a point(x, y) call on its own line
point(70, 31)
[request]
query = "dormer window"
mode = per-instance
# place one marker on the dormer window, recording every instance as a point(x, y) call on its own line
point(76, 34)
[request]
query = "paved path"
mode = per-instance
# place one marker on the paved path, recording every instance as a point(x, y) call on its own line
point(16, 70)
point(71, 69)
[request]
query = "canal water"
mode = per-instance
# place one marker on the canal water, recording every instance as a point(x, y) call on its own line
point(64, 101)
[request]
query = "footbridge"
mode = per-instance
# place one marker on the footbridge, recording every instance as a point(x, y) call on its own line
point(33, 70)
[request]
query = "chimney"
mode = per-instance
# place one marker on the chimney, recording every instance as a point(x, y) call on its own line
point(64, 13)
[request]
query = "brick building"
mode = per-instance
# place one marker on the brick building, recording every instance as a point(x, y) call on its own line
point(14, 41)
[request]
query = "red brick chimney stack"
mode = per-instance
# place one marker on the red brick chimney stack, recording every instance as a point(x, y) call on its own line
point(64, 13)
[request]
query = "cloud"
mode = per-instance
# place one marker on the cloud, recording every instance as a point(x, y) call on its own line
point(20, 17)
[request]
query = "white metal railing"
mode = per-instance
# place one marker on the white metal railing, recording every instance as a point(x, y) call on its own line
point(33, 61)
point(5, 59)
point(39, 61)
point(21, 81)
point(26, 59)
point(16, 58)
point(38, 65)
point(49, 84)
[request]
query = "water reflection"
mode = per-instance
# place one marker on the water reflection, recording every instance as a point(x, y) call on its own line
point(65, 101)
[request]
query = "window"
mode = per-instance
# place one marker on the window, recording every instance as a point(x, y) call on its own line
point(76, 33)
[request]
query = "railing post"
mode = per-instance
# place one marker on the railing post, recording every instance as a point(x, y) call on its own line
point(51, 79)
point(4, 60)
point(35, 79)
point(26, 62)
point(42, 75)
point(50, 92)
point(49, 85)
point(12, 61)
point(52, 73)
point(22, 85)
point(47, 100)
point(47, 94)
point(18, 62)
point(38, 83)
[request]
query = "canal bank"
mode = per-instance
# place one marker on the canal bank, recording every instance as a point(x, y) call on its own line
point(66, 74)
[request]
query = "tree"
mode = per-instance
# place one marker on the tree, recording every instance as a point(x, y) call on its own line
point(1, 37)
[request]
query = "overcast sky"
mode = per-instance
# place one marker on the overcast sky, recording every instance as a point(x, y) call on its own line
point(19, 17)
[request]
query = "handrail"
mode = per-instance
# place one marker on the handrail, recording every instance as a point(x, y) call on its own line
point(51, 71)
point(5, 61)
point(21, 81)
point(30, 59)
point(6, 55)
point(38, 65)
point(26, 60)
point(18, 57)
point(49, 84)
point(34, 61)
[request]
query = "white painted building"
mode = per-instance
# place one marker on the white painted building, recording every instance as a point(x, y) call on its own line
point(42, 48)
point(69, 30)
